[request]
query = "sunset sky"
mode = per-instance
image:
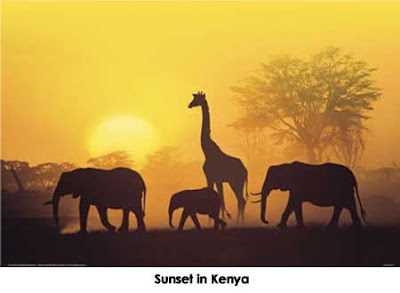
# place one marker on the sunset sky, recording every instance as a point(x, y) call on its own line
point(82, 78)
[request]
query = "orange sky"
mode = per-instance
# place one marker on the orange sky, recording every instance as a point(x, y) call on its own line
point(69, 69)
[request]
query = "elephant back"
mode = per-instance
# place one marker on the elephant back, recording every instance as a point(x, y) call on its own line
point(114, 188)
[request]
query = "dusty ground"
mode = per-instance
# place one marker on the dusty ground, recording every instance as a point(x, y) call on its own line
point(36, 241)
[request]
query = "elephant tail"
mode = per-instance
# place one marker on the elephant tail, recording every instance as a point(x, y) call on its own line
point(247, 187)
point(144, 198)
point(363, 213)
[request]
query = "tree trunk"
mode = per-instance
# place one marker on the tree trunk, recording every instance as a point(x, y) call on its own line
point(17, 179)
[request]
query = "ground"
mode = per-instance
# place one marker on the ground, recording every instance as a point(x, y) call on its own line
point(37, 242)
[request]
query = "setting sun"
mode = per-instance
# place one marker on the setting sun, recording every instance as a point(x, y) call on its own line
point(124, 133)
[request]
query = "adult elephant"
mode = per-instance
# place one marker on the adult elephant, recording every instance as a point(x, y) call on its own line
point(322, 185)
point(119, 188)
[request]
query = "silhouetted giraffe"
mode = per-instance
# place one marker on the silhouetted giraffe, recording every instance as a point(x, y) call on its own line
point(218, 166)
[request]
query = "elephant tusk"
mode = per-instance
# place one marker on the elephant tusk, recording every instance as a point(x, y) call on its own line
point(48, 202)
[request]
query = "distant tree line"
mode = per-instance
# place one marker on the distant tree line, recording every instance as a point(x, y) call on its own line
point(21, 176)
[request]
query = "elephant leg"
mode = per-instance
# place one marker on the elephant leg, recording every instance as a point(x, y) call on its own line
point(354, 216)
point(83, 214)
point(139, 218)
point(333, 224)
point(220, 190)
point(217, 222)
point(286, 213)
point(195, 221)
point(103, 217)
point(125, 221)
point(299, 215)
point(183, 219)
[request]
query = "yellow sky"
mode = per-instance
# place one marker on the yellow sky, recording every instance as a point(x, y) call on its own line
point(69, 67)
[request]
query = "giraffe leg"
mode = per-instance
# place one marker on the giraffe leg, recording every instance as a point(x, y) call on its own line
point(210, 183)
point(238, 191)
point(220, 189)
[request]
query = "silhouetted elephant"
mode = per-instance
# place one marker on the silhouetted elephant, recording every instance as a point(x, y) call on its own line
point(322, 185)
point(119, 188)
point(202, 201)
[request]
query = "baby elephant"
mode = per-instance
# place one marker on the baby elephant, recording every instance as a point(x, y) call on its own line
point(202, 201)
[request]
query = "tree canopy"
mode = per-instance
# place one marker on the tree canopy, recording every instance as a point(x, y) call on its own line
point(22, 176)
point(319, 103)
point(112, 160)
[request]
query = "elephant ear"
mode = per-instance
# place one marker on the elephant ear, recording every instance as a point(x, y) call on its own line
point(78, 180)
point(284, 176)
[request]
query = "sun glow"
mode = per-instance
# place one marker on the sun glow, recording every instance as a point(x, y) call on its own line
point(124, 133)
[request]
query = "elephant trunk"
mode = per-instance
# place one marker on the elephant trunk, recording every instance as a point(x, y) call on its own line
point(175, 203)
point(170, 212)
point(55, 201)
point(264, 196)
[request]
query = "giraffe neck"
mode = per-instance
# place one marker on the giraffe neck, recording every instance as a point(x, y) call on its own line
point(205, 127)
point(210, 148)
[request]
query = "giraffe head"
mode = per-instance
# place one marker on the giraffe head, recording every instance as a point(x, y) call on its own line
point(198, 100)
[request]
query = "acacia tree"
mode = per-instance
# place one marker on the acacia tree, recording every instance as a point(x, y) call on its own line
point(18, 170)
point(320, 103)
point(112, 160)
point(26, 177)
point(253, 145)
point(47, 174)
